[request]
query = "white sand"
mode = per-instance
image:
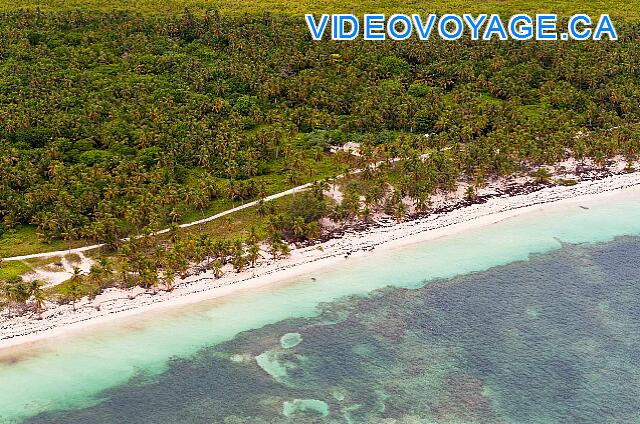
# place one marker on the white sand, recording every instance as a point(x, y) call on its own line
point(117, 303)
point(52, 277)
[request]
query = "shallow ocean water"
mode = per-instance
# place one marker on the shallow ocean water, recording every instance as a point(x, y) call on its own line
point(553, 339)
point(533, 319)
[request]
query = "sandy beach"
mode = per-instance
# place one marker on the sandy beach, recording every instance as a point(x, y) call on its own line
point(386, 234)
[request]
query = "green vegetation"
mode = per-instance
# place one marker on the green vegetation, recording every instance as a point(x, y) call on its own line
point(12, 269)
point(23, 239)
point(118, 124)
point(15, 294)
point(296, 7)
point(100, 149)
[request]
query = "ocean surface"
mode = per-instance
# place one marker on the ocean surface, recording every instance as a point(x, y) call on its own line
point(531, 320)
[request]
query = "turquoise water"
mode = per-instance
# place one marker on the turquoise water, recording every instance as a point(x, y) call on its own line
point(551, 340)
point(90, 373)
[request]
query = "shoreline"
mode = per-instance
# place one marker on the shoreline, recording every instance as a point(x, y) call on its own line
point(116, 304)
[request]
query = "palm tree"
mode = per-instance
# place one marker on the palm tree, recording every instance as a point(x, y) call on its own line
point(199, 199)
point(216, 267)
point(313, 230)
point(422, 201)
point(8, 293)
point(16, 293)
point(366, 214)
point(169, 279)
point(95, 274)
point(298, 227)
point(542, 176)
point(106, 269)
point(238, 260)
point(261, 208)
point(39, 296)
point(253, 235)
point(401, 210)
point(74, 290)
point(208, 248)
point(175, 215)
point(284, 250)
point(149, 276)
point(274, 248)
point(470, 194)
point(125, 271)
point(253, 253)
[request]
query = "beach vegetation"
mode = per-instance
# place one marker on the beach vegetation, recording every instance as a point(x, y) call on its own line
point(12, 269)
point(73, 289)
point(118, 124)
point(15, 293)
point(542, 175)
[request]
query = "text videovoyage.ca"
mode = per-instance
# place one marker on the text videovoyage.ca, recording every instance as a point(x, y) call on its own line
point(542, 27)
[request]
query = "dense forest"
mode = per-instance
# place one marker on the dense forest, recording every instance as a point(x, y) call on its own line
point(111, 123)
point(618, 9)
point(118, 124)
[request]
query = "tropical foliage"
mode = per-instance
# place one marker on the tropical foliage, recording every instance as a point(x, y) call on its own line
point(299, 7)
point(118, 124)
point(113, 123)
